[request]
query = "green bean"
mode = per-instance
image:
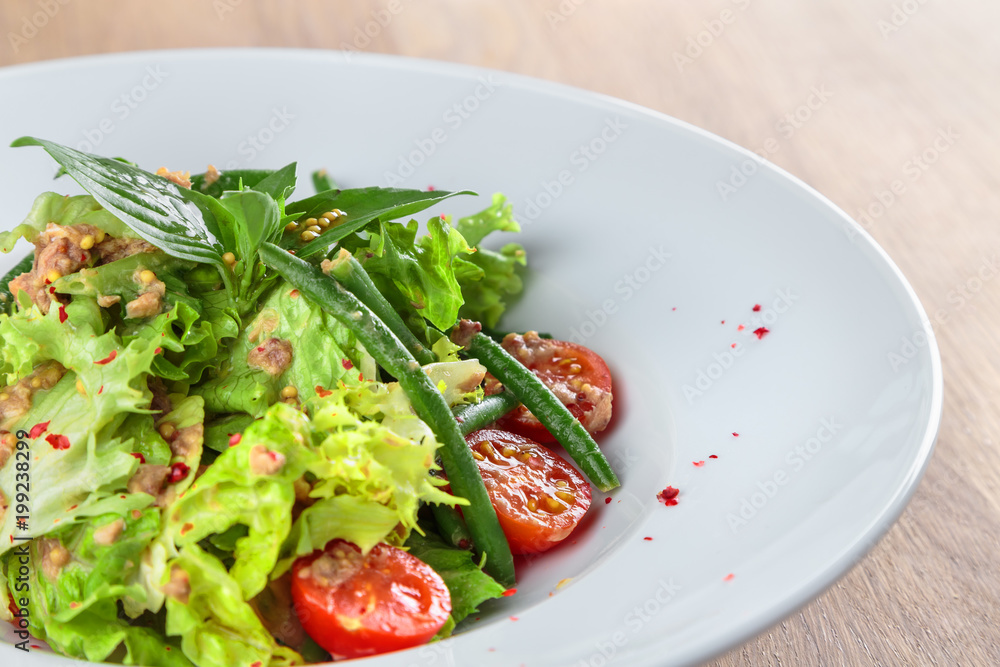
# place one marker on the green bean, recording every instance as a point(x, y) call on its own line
point(473, 417)
point(349, 273)
point(452, 526)
point(427, 401)
point(546, 407)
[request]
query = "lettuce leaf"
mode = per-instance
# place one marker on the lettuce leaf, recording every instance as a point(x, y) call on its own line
point(63, 210)
point(323, 353)
point(216, 626)
point(468, 584)
point(76, 449)
point(486, 292)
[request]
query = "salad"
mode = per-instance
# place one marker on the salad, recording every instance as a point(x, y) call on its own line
point(242, 429)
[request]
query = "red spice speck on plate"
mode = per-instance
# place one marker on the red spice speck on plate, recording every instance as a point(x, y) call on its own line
point(431, 188)
point(668, 496)
point(756, 308)
point(648, 539)
point(761, 332)
point(733, 346)
point(510, 591)
point(740, 328)
point(712, 456)
point(729, 577)
point(514, 618)
point(735, 434)
point(607, 501)
point(697, 464)
point(723, 321)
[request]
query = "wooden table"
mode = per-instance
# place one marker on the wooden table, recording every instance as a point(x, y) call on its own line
point(884, 78)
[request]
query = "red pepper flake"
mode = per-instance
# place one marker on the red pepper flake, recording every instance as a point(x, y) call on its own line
point(260, 348)
point(74, 605)
point(674, 308)
point(431, 188)
point(668, 496)
point(607, 501)
point(166, 648)
point(52, 290)
point(698, 464)
point(294, 294)
point(761, 332)
point(62, 314)
point(108, 359)
point(756, 308)
point(38, 429)
point(729, 577)
point(733, 346)
point(178, 471)
point(72, 508)
point(36, 646)
point(187, 528)
point(347, 364)
point(101, 389)
point(442, 216)
point(138, 455)
point(235, 439)
point(322, 393)
point(158, 350)
point(723, 321)
point(510, 591)
point(57, 441)
point(712, 456)
point(514, 618)
point(648, 539)
point(735, 434)
point(740, 328)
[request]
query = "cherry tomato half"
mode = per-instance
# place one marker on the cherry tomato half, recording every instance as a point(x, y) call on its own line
point(354, 605)
point(577, 376)
point(539, 498)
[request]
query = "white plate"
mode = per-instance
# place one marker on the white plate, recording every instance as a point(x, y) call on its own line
point(837, 408)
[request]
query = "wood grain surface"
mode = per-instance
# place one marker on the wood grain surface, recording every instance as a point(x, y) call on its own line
point(886, 78)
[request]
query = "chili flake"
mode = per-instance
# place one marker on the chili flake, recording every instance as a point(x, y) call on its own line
point(740, 328)
point(698, 464)
point(62, 313)
point(729, 577)
point(108, 359)
point(761, 332)
point(235, 439)
point(735, 434)
point(57, 441)
point(38, 429)
point(178, 471)
point(510, 591)
point(668, 496)
point(607, 501)
point(712, 456)
point(648, 539)
point(756, 308)
point(347, 364)
point(138, 455)
point(322, 393)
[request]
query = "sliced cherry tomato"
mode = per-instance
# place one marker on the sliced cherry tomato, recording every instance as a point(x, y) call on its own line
point(354, 605)
point(538, 497)
point(577, 376)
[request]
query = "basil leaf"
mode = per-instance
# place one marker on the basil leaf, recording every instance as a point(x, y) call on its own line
point(279, 184)
point(182, 223)
point(361, 206)
point(256, 219)
point(229, 180)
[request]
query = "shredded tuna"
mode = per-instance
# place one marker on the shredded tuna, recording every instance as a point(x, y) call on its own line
point(145, 305)
point(57, 253)
point(274, 356)
point(7, 443)
point(211, 175)
point(179, 586)
point(15, 400)
point(112, 249)
point(109, 533)
point(187, 439)
point(108, 301)
point(265, 462)
point(54, 557)
point(464, 331)
point(181, 178)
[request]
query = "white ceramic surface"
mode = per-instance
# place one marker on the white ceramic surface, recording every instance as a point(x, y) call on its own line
point(633, 250)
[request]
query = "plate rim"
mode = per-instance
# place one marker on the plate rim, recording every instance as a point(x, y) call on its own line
point(853, 553)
